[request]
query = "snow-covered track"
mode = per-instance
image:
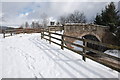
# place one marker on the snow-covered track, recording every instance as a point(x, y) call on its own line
point(27, 56)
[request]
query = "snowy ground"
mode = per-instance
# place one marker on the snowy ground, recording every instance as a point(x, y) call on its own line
point(1, 35)
point(115, 53)
point(27, 56)
point(0, 56)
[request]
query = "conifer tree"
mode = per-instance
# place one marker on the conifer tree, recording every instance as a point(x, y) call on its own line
point(108, 17)
point(98, 20)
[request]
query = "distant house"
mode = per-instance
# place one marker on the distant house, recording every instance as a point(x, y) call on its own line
point(52, 23)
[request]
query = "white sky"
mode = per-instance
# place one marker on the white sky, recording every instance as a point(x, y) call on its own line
point(59, 0)
point(17, 12)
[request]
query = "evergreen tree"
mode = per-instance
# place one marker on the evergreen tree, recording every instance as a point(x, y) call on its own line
point(98, 20)
point(109, 17)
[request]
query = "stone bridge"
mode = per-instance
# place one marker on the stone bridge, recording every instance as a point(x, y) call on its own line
point(79, 30)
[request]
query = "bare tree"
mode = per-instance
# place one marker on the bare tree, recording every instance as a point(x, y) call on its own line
point(26, 24)
point(75, 17)
point(33, 25)
point(62, 20)
point(44, 18)
point(37, 25)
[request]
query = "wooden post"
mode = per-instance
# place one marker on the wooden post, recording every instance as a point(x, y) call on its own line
point(11, 33)
point(55, 30)
point(41, 34)
point(84, 52)
point(49, 37)
point(23, 31)
point(49, 29)
point(3, 34)
point(62, 42)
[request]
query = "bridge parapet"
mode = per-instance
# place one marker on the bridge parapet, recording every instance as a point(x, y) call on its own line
point(68, 27)
point(79, 30)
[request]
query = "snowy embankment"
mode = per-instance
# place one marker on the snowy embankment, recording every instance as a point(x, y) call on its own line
point(27, 56)
point(115, 53)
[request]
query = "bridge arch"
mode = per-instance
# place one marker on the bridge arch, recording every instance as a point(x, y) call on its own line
point(91, 34)
point(94, 46)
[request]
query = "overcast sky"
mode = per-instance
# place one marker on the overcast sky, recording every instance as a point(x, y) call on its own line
point(16, 13)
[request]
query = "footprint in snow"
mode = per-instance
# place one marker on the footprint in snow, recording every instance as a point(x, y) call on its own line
point(33, 67)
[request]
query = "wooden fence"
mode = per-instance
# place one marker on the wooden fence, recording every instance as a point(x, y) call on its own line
point(55, 28)
point(29, 30)
point(8, 32)
point(104, 59)
point(18, 31)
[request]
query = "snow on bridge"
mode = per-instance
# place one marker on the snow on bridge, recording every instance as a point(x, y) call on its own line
point(27, 56)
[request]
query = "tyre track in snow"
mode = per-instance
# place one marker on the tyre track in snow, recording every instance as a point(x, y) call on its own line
point(76, 62)
point(38, 43)
point(45, 49)
point(33, 40)
point(48, 60)
point(29, 61)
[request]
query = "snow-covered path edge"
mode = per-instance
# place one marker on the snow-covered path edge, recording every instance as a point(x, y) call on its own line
point(29, 56)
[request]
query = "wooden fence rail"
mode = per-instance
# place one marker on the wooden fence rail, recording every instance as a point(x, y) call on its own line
point(101, 60)
point(18, 31)
point(10, 32)
point(29, 30)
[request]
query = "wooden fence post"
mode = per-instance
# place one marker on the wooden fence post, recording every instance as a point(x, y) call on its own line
point(11, 33)
point(41, 34)
point(49, 37)
point(23, 31)
point(62, 42)
point(55, 30)
point(84, 52)
point(3, 34)
point(49, 29)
